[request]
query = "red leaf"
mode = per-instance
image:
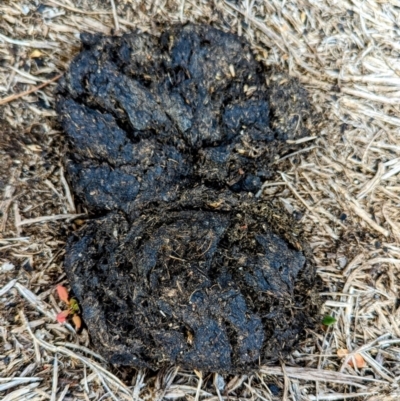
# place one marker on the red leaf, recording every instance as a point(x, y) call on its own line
point(359, 361)
point(357, 358)
point(62, 316)
point(77, 322)
point(62, 293)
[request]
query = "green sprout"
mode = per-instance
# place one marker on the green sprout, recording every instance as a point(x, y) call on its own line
point(328, 321)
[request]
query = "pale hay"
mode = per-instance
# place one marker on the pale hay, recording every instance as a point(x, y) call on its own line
point(347, 55)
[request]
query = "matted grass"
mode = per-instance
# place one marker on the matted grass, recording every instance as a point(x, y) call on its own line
point(344, 186)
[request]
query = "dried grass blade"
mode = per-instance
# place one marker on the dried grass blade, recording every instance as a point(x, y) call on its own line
point(364, 215)
point(97, 368)
point(83, 349)
point(63, 393)
point(318, 375)
point(16, 381)
point(55, 379)
point(21, 394)
point(76, 10)
point(29, 43)
point(35, 301)
point(7, 287)
point(54, 217)
point(341, 396)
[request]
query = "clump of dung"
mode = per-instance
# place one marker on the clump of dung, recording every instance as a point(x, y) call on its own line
point(170, 137)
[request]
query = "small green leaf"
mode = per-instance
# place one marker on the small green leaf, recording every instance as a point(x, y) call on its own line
point(73, 305)
point(328, 320)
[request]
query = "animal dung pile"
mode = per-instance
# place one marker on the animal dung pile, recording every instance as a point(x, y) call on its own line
point(169, 139)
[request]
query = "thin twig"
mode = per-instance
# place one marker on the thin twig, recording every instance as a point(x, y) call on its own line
point(11, 98)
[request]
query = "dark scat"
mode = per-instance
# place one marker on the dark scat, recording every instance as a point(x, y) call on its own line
point(169, 139)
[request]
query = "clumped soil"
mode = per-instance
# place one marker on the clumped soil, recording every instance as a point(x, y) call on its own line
point(170, 138)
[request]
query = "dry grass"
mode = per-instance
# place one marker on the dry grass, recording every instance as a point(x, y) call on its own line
point(345, 188)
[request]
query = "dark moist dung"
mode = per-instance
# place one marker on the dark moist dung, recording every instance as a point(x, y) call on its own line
point(170, 138)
